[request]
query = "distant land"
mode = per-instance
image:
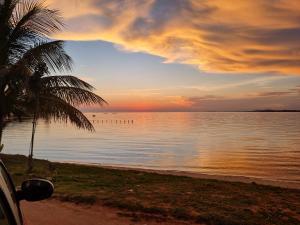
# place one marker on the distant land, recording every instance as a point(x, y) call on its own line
point(276, 110)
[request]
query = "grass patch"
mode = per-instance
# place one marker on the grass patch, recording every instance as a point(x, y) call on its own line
point(88, 200)
point(196, 200)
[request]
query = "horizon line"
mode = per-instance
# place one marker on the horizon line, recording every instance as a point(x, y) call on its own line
point(256, 110)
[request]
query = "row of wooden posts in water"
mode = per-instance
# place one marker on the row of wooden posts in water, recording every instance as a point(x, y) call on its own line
point(113, 121)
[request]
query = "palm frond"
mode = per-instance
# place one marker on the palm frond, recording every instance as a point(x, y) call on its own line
point(35, 17)
point(52, 107)
point(65, 80)
point(30, 22)
point(75, 96)
point(52, 53)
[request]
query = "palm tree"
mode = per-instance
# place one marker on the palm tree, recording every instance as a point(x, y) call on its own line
point(56, 97)
point(27, 56)
point(24, 29)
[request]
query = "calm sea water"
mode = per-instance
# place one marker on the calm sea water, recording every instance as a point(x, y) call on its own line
point(261, 145)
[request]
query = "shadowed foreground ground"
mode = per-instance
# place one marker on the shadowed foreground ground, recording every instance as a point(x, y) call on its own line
point(52, 212)
point(141, 195)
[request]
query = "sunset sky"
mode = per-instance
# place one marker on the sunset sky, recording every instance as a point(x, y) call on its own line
point(186, 55)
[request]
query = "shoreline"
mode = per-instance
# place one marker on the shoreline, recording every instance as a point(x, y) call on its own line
point(192, 174)
point(183, 173)
point(164, 195)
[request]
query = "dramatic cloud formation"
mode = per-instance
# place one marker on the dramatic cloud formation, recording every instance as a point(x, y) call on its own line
point(214, 35)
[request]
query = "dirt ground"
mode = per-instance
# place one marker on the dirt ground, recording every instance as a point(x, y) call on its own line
point(54, 212)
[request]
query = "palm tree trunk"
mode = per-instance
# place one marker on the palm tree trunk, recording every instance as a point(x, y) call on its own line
point(34, 123)
point(2, 107)
point(30, 157)
point(1, 133)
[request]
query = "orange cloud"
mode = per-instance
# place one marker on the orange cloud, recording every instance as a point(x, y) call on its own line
point(214, 35)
